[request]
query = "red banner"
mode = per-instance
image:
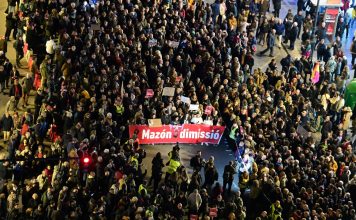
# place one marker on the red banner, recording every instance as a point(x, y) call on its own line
point(331, 16)
point(186, 133)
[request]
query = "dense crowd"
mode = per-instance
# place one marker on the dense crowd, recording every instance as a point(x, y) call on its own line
point(91, 63)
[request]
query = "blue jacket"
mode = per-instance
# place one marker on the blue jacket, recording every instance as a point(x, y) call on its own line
point(215, 8)
point(279, 28)
point(270, 40)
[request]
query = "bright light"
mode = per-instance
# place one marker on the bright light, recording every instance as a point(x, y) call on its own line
point(86, 160)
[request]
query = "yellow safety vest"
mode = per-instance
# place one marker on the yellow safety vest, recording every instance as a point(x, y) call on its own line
point(173, 166)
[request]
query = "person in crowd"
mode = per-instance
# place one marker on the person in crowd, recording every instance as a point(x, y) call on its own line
point(18, 45)
point(228, 176)
point(194, 202)
point(7, 124)
point(321, 32)
point(26, 84)
point(293, 35)
point(277, 4)
point(271, 39)
point(340, 28)
point(353, 52)
point(157, 165)
point(279, 27)
point(299, 18)
point(15, 93)
point(10, 25)
point(197, 162)
point(321, 50)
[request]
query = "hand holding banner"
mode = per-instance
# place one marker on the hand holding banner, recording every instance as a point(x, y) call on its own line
point(187, 133)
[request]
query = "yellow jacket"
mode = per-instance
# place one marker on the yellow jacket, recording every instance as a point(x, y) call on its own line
point(173, 166)
point(333, 165)
point(233, 23)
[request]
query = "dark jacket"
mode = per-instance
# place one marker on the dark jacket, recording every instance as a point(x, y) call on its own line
point(299, 19)
point(2, 75)
point(229, 173)
point(7, 123)
point(279, 28)
point(293, 33)
point(10, 21)
point(16, 91)
point(18, 45)
point(3, 45)
point(321, 33)
point(271, 39)
point(277, 4)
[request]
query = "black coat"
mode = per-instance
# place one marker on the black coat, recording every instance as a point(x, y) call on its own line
point(2, 76)
point(299, 19)
point(321, 33)
point(321, 48)
point(229, 173)
point(7, 123)
point(327, 127)
point(211, 175)
point(277, 4)
point(293, 33)
point(157, 165)
point(15, 93)
point(10, 21)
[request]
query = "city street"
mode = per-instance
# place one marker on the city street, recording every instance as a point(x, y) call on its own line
point(221, 153)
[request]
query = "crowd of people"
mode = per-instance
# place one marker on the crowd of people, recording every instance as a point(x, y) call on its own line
point(90, 65)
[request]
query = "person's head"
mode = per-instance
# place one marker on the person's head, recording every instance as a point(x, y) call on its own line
point(35, 196)
point(199, 153)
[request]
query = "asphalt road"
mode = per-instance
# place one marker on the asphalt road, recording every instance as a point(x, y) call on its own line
point(220, 152)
